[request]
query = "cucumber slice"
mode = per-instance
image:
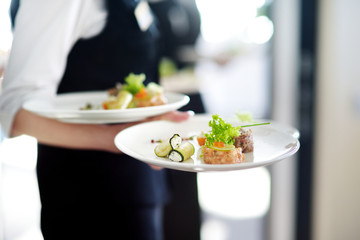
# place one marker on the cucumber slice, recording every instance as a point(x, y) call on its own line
point(163, 149)
point(182, 153)
point(123, 99)
point(175, 141)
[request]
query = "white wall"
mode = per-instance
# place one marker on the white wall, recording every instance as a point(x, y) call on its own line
point(337, 165)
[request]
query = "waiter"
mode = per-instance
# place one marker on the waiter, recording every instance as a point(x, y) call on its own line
point(88, 189)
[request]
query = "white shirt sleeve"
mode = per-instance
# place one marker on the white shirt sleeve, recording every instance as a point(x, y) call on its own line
point(44, 33)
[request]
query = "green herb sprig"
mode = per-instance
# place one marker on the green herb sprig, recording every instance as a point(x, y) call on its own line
point(255, 124)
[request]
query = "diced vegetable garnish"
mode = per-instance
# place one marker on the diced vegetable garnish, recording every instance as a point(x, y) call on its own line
point(219, 144)
point(201, 140)
point(141, 94)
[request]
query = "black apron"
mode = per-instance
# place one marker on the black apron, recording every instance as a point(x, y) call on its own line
point(76, 184)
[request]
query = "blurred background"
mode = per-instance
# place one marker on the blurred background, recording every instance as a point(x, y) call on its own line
point(295, 62)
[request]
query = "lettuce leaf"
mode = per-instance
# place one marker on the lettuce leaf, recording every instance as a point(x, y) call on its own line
point(134, 82)
point(221, 131)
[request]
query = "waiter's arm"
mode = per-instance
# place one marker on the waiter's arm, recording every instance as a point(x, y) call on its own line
point(77, 136)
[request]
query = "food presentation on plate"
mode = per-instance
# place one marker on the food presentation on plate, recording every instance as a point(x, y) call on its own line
point(128, 102)
point(223, 144)
point(132, 94)
point(180, 145)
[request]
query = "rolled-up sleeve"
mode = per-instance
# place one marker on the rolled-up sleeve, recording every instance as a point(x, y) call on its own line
point(44, 33)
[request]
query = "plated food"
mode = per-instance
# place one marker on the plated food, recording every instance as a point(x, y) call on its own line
point(272, 143)
point(67, 107)
point(132, 94)
point(223, 144)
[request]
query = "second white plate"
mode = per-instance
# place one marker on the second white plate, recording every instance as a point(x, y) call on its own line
point(66, 107)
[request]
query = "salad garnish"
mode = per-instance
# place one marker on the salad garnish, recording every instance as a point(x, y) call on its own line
point(221, 131)
point(222, 134)
point(134, 83)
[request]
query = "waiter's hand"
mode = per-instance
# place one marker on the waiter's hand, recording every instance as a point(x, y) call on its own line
point(175, 116)
point(155, 167)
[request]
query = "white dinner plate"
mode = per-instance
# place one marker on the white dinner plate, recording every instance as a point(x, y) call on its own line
point(67, 107)
point(272, 143)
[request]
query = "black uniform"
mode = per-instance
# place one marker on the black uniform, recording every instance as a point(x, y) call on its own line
point(100, 195)
point(94, 194)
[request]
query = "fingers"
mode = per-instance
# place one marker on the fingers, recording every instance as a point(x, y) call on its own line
point(175, 116)
point(178, 116)
point(155, 167)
